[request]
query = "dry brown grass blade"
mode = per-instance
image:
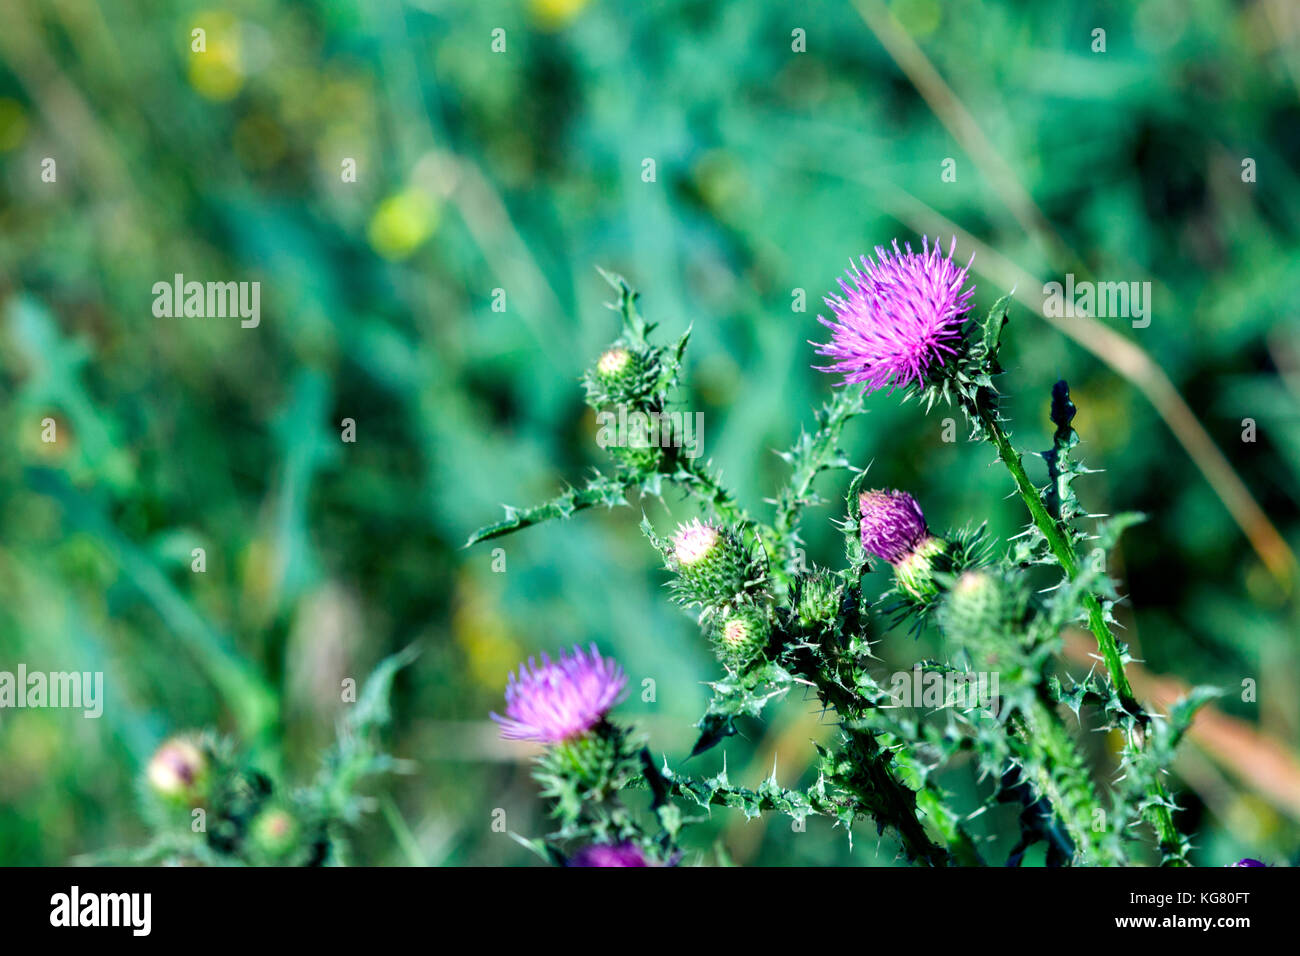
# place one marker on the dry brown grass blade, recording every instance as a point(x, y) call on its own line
point(1130, 360)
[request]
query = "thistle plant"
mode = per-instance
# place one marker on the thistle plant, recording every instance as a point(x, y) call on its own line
point(901, 324)
point(210, 803)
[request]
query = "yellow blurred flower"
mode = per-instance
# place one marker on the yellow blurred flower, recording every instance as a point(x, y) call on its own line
point(215, 71)
point(553, 14)
point(721, 179)
point(402, 223)
point(483, 635)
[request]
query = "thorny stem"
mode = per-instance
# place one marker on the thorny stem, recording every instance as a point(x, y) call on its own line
point(601, 490)
point(1064, 553)
point(817, 456)
point(1058, 772)
point(890, 801)
point(699, 481)
point(1158, 812)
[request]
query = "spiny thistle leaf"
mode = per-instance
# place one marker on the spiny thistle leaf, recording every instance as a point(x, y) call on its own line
point(600, 490)
point(811, 455)
point(739, 695)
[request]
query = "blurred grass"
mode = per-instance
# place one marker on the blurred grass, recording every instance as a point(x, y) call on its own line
point(521, 171)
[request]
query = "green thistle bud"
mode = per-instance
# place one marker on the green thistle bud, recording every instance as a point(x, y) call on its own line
point(621, 376)
point(819, 599)
point(275, 833)
point(712, 563)
point(984, 612)
point(178, 772)
point(915, 572)
point(741, 635)
point(638, 457)
point(616, 365)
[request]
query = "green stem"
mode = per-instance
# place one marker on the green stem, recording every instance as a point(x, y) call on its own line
point(601, 490)
point(1158, 813)
point(1064, 552)
point(1056, 768)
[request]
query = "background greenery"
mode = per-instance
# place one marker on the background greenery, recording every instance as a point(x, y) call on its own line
point(522, 171)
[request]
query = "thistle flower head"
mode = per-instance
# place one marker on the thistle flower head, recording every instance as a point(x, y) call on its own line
point(610, 854)
point(622, 376)
point(613, 361)
point(694, 542)
point(1247, 861)
point(893, 528)
point(178, 771)
point(561, 699)
point(899, 318)
point(891, 524)
point(741, 635)
point(712, 563)
point(275, 832)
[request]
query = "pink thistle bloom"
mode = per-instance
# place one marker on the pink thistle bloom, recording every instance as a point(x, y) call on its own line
point(561, 699)
point(898, 317)
point(610, 854)
point(892, 525)
point(694, 542)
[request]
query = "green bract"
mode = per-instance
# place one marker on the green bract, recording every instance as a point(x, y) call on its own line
point(818, 599)
point(915, 573)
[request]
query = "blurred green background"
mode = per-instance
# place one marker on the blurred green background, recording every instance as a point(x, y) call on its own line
point(522, 171)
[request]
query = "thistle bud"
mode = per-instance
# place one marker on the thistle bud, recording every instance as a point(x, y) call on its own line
point(712, 564)
point(818, 599)
point(893, 528)
point(638, 455)
point(178, 772)
point(984, 612)
point(614, 365)
point(275, 833)
point(620, 376)
point(741, 635)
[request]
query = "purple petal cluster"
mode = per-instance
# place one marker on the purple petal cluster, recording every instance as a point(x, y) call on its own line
point(892, 524)
point(560, 699)
point(610, 854)
point(1248, 862)
point(899, 316)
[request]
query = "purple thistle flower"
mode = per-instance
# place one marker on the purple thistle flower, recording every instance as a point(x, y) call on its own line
point(1248, 862)
point(609, 854)
point(897, 317)
point(562, 699)
point(892, 525)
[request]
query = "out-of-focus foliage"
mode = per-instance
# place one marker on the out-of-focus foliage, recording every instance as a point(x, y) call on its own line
point(503, 179)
